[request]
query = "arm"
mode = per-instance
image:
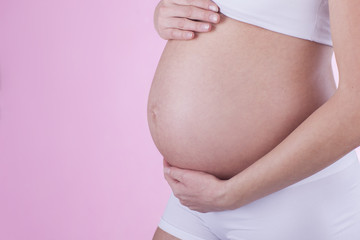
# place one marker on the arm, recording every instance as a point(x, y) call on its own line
point(326, 135)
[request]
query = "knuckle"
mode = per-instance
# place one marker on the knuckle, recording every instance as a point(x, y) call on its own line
point(160, 23)
point(191, 2)
point(173, 33)
point(162, 9)
point(205, 14)
point(188, 11)
point(190, 25)
point(165, 37)
point(181, 23)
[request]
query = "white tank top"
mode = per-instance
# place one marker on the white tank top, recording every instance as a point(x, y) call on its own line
point(306, 19)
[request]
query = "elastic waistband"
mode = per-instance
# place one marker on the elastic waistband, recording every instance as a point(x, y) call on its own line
point(341, 164)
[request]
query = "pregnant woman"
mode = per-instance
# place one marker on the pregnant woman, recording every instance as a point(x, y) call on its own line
point(257, 140)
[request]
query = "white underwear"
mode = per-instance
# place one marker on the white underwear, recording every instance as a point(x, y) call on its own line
point(324, 206)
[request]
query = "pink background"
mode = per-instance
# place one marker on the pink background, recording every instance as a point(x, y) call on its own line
point(76, 157)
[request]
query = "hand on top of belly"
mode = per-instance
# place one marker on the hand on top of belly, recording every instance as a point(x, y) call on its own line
point(198, 190)
point(179, 19)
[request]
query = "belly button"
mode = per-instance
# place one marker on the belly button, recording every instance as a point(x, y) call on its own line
point(153, 113)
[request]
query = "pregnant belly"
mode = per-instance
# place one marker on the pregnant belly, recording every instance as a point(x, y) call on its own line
point(219, 102)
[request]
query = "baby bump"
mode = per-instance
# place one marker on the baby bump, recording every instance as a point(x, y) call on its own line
point(217, 103)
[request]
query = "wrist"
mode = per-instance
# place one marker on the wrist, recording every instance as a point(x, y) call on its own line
point(232, 196)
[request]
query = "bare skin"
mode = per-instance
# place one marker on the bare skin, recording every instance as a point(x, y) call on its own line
point(162, 235)
point(226, 98)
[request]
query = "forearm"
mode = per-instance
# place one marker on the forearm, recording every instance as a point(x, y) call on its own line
point(325, 136)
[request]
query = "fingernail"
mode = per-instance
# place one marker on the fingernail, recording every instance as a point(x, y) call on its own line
point(189, 35)
point(206, 26)
point(213, 18)
point(213, 8)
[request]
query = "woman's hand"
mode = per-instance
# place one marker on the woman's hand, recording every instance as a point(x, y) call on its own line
point(198, 190)
point(180, 19)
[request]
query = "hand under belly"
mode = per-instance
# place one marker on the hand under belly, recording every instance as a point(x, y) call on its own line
point(213, 106)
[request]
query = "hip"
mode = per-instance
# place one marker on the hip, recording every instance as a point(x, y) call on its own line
point(324, 206)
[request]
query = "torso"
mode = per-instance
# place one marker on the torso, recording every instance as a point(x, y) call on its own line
point(221, 101)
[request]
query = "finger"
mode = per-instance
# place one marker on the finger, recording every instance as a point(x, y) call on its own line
point(172, 172)
point(205, 4)
point(177, 174)
point(177, 34)
point(167, 166)
point(172, 182)
point(189, 25)
point(191, 12)
point(176, 186)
